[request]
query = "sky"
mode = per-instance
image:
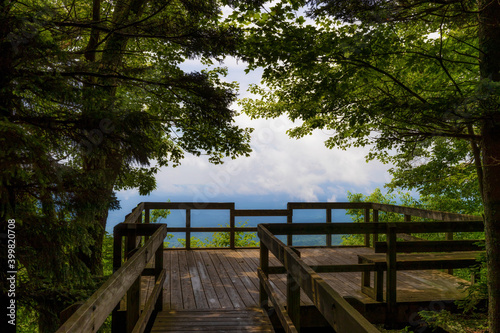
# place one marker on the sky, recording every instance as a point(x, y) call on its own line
point(279, 170)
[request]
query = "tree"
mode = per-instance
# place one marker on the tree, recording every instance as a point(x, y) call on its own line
point(403, 76)
point(93, 99)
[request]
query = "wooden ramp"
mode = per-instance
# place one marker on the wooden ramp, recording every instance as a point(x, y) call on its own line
point(212, 320)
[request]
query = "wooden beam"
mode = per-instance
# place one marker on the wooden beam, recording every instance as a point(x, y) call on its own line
point(329, 205)
point(92, 314)
point(430, 246)
point(380, 227)
point(189, 205)
point(261, 212)
point(285, 320)
point(150, 305)
point(425, 213)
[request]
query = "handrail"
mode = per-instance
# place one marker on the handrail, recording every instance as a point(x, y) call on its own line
point(371, 214)
point(91, 315)
point(335, 309)
point(314, 288)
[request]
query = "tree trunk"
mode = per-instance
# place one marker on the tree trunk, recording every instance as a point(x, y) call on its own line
point(491, 165)
point(489, 45)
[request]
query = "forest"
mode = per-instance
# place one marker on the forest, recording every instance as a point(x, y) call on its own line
point(94, 100)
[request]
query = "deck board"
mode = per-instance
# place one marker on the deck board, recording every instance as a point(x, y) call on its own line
point(218, 290)
point(213, 320)
point(227, 279)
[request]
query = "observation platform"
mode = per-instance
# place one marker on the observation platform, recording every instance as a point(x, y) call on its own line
point(211, 283)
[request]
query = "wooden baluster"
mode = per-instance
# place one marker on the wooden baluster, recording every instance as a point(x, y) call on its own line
point(328, 220)
point(134, 293)
point(375, 219)
point(232, 235)
point(391, 283)
point(293, 297)
point(264, 266)
point(367, 219)
point(188, 229)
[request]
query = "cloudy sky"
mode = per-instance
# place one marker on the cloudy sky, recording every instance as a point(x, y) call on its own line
point(279, 169)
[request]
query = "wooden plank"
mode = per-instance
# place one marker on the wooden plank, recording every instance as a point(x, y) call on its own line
point(189, 205)
point(236, 280)
point(372, 227)
point(283, 316)
point(226, 281)
point(216, 281)
point(135, 214)
point(211, 295)
point(425, 213)
point(167, 285)
point(188, 301)
point(343, 318)
point(391, 274)
point(198, 291)
point(176, 287)
point(247, 320)
point(92, 314)
point(240, 269)
point(212, 229)
point(261, 212)
point(431, 246)
point(150, 305)
point(329, 205)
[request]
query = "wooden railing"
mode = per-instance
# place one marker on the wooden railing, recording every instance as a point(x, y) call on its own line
point(334, 308)
point(90, 316)
point(141, 214)
point(344, 318)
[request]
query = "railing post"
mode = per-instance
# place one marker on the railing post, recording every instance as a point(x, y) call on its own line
point(391, 283)
point(289, 219)
point(328, 220)
point(367, 220)
point(375, 220)
point(116, 322)
point(449, 236)
point(134, 293)
point(293, 297)
point(264, 266)
point(188, 229)
point(232, 236)
point(158, 269)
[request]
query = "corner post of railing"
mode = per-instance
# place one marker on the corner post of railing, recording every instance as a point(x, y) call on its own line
point(232, 234)
point(158, 270)
point(293, 296)
point(328, 220)
point(375, 220)
point(188, 229)
point(116, 322)
point(146, 213)
point(134, 293)
point(367, 220)
point(264, 266)
point(391, 274)
point(289, 219)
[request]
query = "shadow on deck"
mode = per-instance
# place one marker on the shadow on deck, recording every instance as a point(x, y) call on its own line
point(208, 280)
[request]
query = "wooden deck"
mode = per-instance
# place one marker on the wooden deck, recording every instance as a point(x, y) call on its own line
point(212, 321)
point(205, 282)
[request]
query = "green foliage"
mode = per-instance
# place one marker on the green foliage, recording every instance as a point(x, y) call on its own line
point(93, 100)
point(221, 239)
point(456, 323)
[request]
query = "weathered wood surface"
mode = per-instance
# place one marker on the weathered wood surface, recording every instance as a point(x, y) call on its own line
point(212, 321)
point(92, 314)
point(431, 246)
point(224, 290)
point(372, 227)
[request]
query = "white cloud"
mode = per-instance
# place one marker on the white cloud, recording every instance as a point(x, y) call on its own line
point(304, 169)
